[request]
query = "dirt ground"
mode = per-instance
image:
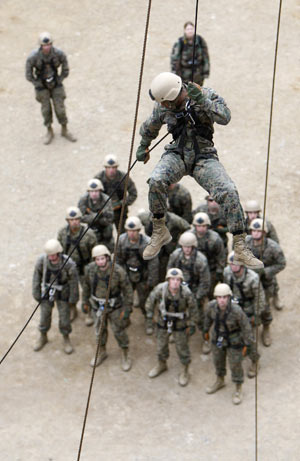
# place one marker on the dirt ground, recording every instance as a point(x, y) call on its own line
point(43, 395)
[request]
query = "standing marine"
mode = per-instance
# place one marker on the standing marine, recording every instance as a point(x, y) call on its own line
point(46, 68)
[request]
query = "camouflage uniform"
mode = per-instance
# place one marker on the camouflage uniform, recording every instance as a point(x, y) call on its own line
point(40, 66)
point(182, 59)
point(121, 296)
point(82, 255)
point(196, 275)
point(271, 234)
point(142, 274)
point(176, 226)
point(103, 226)
point(117, 198)
point(180, 202)
point(212, 247)
point(183, 301)
point(249, 294)
point(193, 153)
point(231, 332)
point(218, 222)
point(65, 291)
point(274, 262)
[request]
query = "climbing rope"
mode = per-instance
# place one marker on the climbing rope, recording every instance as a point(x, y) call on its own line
point(194, 45)
point(264, 213)
point(103, 318)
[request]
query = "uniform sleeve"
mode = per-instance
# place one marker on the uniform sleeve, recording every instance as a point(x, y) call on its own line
point(215, 106)
point(120, 255)
point(127, 292)
point(245, 326)
point(272, 234)
point(150, 128)
point(208, 321)
point(106, 216)
point(92, 240)
point(86, 287)
point(193, 310)
point(205, 64)
point(153, 272)
point(64, 66)
point(186, 201)
point(175, 59)
point(204, 277)
point(220, 254)
point(73, 283)
point(278, 262)
point(150, 302)
point(37, 280)
point(60, 238)
point(131, 192)
point(172, 260)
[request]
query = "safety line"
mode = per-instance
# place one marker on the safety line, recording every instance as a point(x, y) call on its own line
point(103, 317)
point(194, 44)
point(264, 214)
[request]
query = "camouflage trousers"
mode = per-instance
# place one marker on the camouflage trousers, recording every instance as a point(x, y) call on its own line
point(181, 340)
point(143, 291)
point(118, 327)
point(64, 323)
point(117, 217)
point(253, 353)
point(266, 316)
point(58, 96)
point(209, 174)
point(105, 236)
point(271, 289)
point(186, 75)
point(235, 359)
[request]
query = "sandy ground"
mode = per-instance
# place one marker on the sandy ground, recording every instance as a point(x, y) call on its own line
point(43, 395)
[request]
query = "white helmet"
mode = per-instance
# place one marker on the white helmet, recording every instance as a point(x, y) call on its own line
point(100, 250)
point(252, 205)
point(174, 272)
point(188, 239)
point(165, 87)
point(133, 223)
point(111, 160)
point(257, 224)
point(73, 213)
point(201, 219)
point(222, 289)
point(94, 184)
point(52, 247)
point(45, 38)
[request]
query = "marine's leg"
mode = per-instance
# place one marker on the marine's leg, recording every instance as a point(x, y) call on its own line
point(183, 352)
point(58, 96)
point(43, 97)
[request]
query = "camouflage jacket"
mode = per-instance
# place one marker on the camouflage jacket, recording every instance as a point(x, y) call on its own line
point(195, 271)
point(184, 301)
point(180, 202)
point(272, 257)
point(89, 210)
point(95, 284)
point(212, 109)
point(247, 291)
point(271, 234)
point(231, 328)
point(182, 56)
point(110, 184)
point(130, 257)
point(40, 66)
point(82, 255)
point(218, 221)
point(66, 285)
point(211, 245)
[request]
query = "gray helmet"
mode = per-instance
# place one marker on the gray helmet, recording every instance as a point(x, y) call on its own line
point(257, 224)
point(222, 289)
point(174, 272)
point(188, 239)
point(201, 219)
point(165, 87)
point(133, 223)
point(100, 250)
point(73, 213)
point(252, 205)
point(45, 38)
point(111, 161)
point(94, 184)
point(52, 247)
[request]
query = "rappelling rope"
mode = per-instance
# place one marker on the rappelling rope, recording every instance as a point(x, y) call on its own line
point(103, 318)
point(264, 215)
point(194, 45)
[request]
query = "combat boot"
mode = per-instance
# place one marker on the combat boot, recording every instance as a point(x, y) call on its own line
point(266, 336)
point(160, 236)
point(149, 327)
point(89, 321)
point(171, 339)
point(126, 361)
point(102, 355)
point(67, 344)
point(184, 376)
point(66, 134)
point(277, 303)
point(243, 255)
point(253, 369)
point(42, 340)
point(216, 386)
point(49, 135)
point(158, 369)
point(73, 312)
point(237, 396)
point(206, 347)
